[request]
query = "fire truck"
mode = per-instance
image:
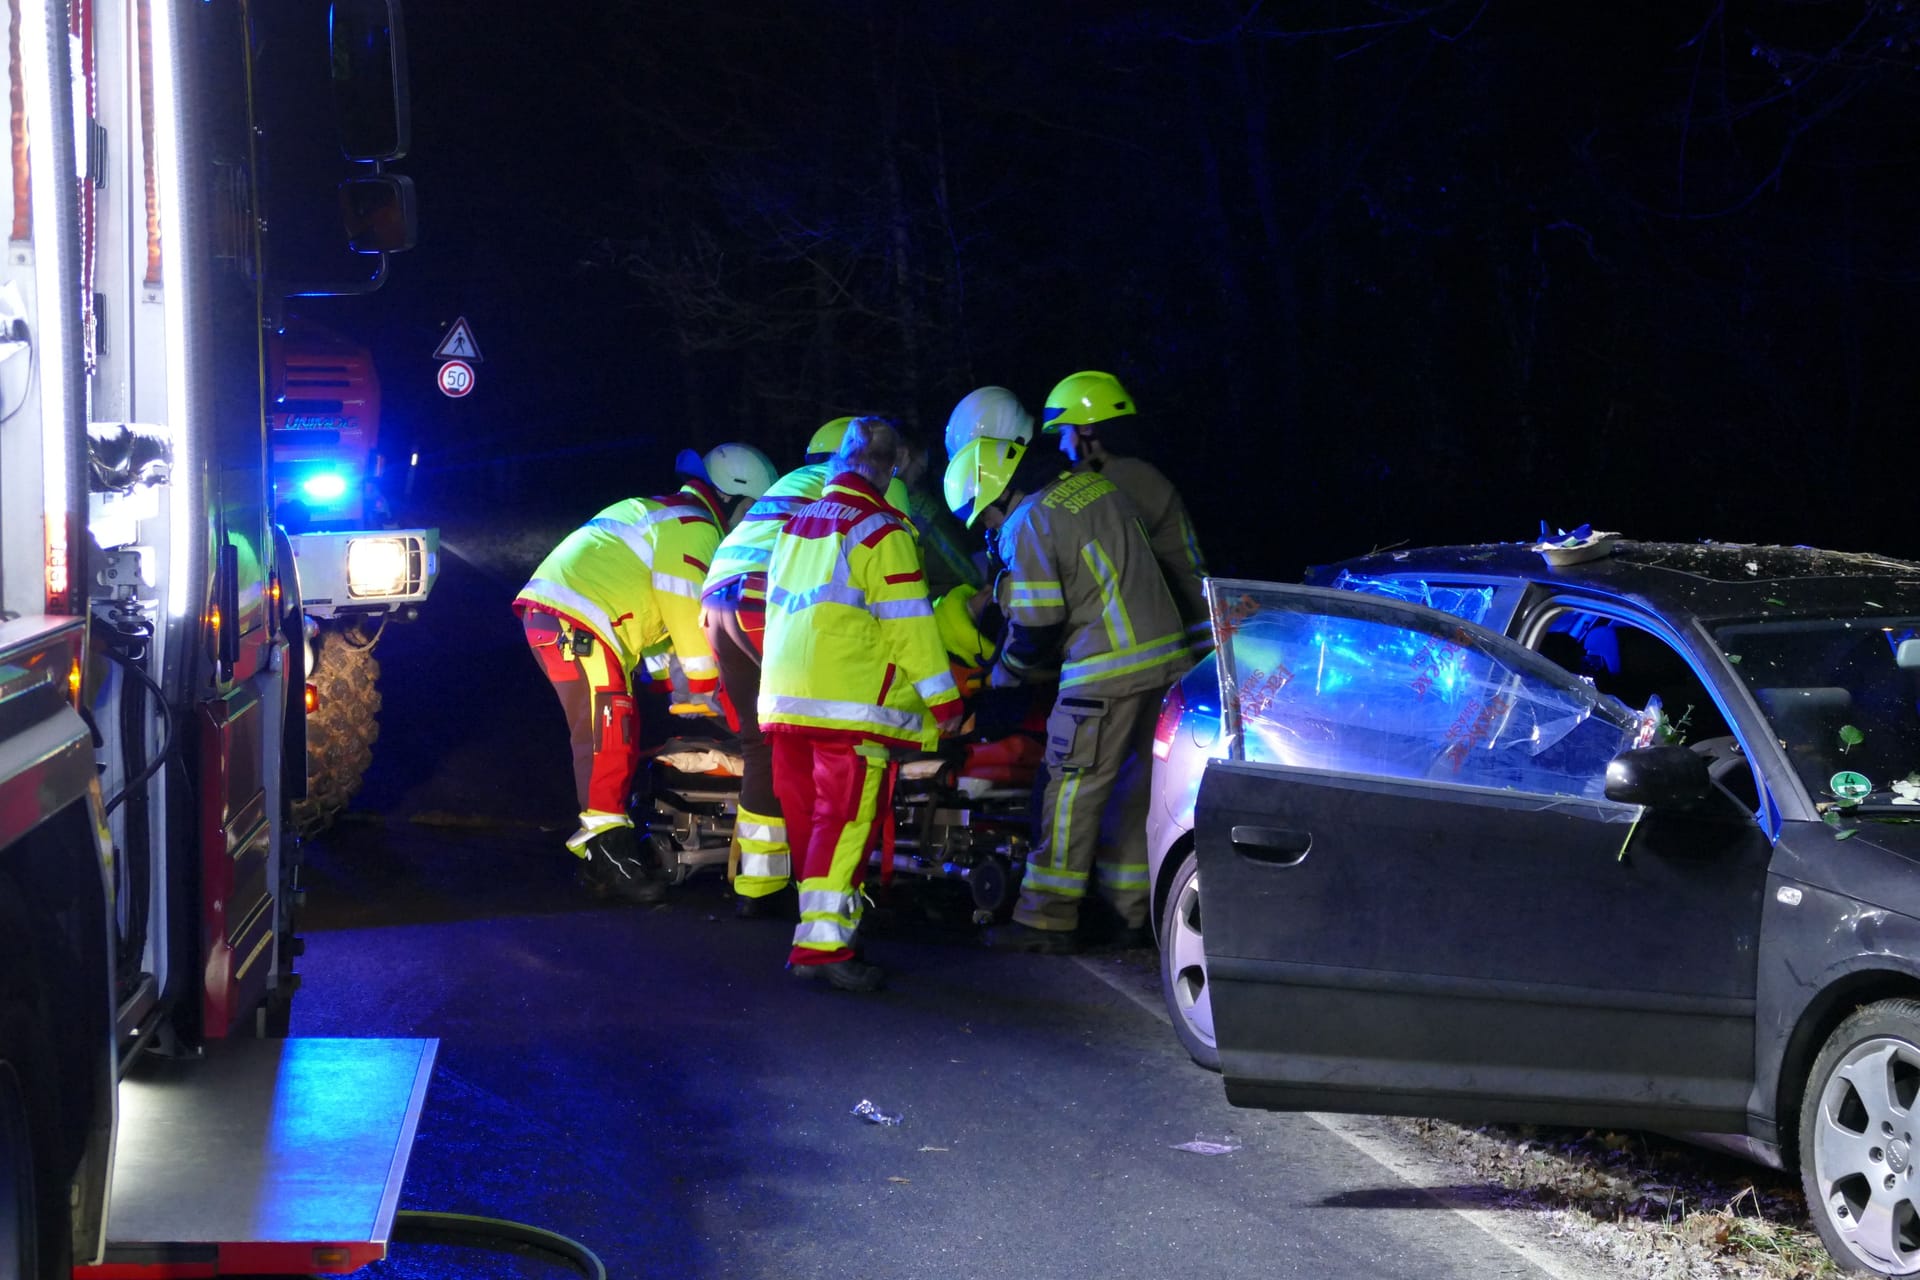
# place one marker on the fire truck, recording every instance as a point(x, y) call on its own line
point(331, 493)
point(179, 169)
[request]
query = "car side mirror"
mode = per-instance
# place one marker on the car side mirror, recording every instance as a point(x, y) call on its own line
point(378, 212)
point(1659, 778)
point(369, 66)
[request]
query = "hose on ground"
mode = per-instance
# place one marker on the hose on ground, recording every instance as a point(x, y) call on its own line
point(421, 1226)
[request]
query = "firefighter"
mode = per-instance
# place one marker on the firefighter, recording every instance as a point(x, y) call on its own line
point(1095, 419)
point(619, 595)
point(854, 669)
point(734, 616)
point(1086, 604)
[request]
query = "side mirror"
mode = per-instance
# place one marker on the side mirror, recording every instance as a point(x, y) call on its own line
point(378, 213)
point(1907, 656)
point(1659, 778)
point(369, 79)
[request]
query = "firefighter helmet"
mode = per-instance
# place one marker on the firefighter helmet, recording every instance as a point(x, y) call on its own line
point(1085, 398)
point(988, 411)
point(826, 441)
point(740, 469)
point(979, 474)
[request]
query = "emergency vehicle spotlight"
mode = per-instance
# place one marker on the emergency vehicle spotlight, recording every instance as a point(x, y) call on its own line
point(328, 486)
point(376, 567)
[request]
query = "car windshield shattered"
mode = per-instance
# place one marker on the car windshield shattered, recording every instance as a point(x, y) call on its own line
point(1332, 680)
point(1843, 696)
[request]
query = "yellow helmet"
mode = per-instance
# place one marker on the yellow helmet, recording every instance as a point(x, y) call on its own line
point(979, 474)
point(1084, 399)
point(826, 441)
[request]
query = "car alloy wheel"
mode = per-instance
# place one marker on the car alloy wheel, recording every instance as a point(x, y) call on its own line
point(1860, 1139)
point(1183, 966)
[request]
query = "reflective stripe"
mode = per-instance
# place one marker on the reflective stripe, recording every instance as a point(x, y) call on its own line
point(871, 524)
point(676, 586)
point(635, 533)
point(891, 609)
point(1127, 875)
point(826, 593)
point(1061, 835)
point(765, 832)
point(699, 667)
point(1119, 626)
point(828, 902)
point(1047, 880)
point(565, 597)
point(823, 935)
point(657, 665)
point(776, 866)
point(1037, 594)
point(786, 704)
point(935, 685)
point(1123, 662)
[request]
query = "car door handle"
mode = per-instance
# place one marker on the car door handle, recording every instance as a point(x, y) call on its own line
point(1278, 845)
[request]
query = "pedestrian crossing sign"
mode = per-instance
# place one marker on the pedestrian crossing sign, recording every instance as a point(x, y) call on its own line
point(458, 344)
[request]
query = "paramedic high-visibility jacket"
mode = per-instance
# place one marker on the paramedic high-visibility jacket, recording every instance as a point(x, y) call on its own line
point(632, 576)
point(743, 553)
point(851, 648)
point(1084, 595)
point(1164, 517)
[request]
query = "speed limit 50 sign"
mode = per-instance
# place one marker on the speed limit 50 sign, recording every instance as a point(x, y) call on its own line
point(456, 378)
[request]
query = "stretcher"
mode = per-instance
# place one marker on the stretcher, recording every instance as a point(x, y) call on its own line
point(963, 814)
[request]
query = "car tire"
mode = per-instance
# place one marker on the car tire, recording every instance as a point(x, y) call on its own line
point(1183, 966)
point(341, 729)
point(1860, 1139)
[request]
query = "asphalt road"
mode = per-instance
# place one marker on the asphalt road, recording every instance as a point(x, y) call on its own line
point(651, 1081)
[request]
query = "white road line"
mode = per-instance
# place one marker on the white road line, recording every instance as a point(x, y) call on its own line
point(1399, 1160)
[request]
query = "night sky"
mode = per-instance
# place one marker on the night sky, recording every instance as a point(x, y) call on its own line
point(1374, 273)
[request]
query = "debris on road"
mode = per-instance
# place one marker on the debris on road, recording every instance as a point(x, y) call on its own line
point(874, 1115)
point(1206, 1146)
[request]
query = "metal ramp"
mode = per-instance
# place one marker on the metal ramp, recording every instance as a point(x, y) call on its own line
point(265, 1157)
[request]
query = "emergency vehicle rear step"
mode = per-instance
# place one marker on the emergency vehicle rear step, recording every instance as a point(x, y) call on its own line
point(266, 1157)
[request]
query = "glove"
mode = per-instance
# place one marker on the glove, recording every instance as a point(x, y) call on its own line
point(699, 704)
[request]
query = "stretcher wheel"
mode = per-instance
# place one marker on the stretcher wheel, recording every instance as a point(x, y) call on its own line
point(666, 856)
point(991, 880)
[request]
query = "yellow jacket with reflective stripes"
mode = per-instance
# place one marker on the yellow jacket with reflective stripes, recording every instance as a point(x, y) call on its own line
point(1084, 591)
point(632, 576)
point(851, 645)
point(748, 545)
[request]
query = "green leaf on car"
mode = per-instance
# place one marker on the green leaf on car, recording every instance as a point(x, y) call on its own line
point(1850, 737)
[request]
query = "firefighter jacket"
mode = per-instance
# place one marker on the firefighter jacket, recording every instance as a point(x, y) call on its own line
point(852, 649)
point(1171, 534)
point(1084, 593)
point(632, 576)
point(942, 543)
point(743, 552)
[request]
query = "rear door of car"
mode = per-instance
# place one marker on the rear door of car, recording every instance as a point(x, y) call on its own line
point(1418, 899)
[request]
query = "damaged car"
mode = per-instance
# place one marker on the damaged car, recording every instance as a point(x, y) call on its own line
point(1617, 835)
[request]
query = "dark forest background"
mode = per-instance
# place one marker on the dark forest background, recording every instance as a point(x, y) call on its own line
point(1374, 272)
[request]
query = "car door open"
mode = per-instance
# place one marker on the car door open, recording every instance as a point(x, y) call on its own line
point(1419, 899)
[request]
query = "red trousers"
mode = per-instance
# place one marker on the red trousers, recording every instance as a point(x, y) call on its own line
point(833, 792)
point(600, 713)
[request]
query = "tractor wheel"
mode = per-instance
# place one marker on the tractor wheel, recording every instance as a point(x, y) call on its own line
point(341, 729)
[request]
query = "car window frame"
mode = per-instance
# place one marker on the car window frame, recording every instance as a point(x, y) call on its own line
point(1737, 708)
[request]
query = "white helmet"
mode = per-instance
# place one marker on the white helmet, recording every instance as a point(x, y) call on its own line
point(993, 412)
point(740, 469)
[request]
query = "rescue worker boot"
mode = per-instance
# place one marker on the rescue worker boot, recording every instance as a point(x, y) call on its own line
point(612, 867)
point(778, 905)
point(843, 975)
point(1014, 936)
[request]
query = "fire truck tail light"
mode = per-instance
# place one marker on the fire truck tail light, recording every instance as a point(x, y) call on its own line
point(378, 567)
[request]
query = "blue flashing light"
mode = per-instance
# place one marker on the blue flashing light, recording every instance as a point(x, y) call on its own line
point(328, 486)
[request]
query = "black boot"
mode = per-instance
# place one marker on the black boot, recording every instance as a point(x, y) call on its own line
point(844, 975)
point(613, 868)
point(1021, 937)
